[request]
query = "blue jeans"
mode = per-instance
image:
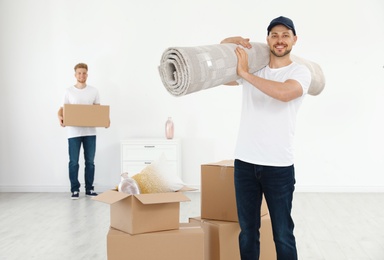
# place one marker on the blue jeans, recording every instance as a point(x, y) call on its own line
point(277, 184)
point(89, 147)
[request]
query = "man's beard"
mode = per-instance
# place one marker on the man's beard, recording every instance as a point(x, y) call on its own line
point(281, 55)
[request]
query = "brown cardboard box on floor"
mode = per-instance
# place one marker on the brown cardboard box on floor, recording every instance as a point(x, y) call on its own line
point(187, 243)
point(221, 239)
point(142, 213)
point(218, 199)
point(86, 115)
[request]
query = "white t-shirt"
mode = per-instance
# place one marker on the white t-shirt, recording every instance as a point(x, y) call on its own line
point(267, 125)
point(86, 96)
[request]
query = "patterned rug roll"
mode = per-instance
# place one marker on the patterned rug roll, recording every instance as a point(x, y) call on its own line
point(184, 70)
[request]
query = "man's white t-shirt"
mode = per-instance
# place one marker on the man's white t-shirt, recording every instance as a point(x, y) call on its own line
point(86, 96)
point(267, 125)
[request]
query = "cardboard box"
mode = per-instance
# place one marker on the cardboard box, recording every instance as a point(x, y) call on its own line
point(86, 115)
point(185, 243)
point(143, 213)
point(218, 199)
point(221, 239)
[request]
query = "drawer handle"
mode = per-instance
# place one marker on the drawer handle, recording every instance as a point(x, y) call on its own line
point(149, 146)
point(147, 162)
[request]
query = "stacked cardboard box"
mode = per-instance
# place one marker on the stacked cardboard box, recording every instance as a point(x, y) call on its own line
point(146, 226)
point(219, 215)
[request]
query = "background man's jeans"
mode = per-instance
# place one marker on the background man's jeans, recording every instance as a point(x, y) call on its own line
point(277, 184)
point(89, 147)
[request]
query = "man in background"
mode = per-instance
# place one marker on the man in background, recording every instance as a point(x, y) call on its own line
point(81, 93)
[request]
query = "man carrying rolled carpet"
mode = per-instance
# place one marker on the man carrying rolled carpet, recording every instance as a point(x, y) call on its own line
point(264, 162)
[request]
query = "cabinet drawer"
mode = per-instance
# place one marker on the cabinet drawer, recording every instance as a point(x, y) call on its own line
point(148, 152)
point(135, 167)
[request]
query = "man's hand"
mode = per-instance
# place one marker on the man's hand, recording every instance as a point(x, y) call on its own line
point(239, 41)
point(242, 62)
point(242, 56)
point(60, 116)
point(61, 121)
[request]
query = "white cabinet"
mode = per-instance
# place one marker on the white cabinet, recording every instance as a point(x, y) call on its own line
point(138, 153)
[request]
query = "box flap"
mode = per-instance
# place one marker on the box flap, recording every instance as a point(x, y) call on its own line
point(186, 188)
point(111, 196)
point(189, 225)
point(227, 163)
point(157, 198)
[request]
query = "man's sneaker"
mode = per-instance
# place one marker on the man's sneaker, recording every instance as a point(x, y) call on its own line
point(75, 195)
point(90, 193)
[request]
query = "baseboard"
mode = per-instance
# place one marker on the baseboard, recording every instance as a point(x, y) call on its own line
point(340, 189)
point(102, 188)
point(30, 188)
point(329, 189)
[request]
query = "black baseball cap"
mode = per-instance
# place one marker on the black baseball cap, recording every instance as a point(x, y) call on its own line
point(283, 21)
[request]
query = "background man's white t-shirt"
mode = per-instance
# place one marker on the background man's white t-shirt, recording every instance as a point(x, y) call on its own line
point(86, 96)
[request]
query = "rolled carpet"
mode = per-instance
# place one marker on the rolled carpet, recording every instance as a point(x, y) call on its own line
point(184, 70)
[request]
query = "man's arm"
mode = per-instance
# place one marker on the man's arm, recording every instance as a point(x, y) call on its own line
point(239, 41)
point(283, 91)
point(60, 116)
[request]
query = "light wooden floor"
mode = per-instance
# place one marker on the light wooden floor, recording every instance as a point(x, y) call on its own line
point(50, 226)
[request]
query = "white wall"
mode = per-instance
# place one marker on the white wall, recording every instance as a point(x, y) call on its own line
point(339, 137)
